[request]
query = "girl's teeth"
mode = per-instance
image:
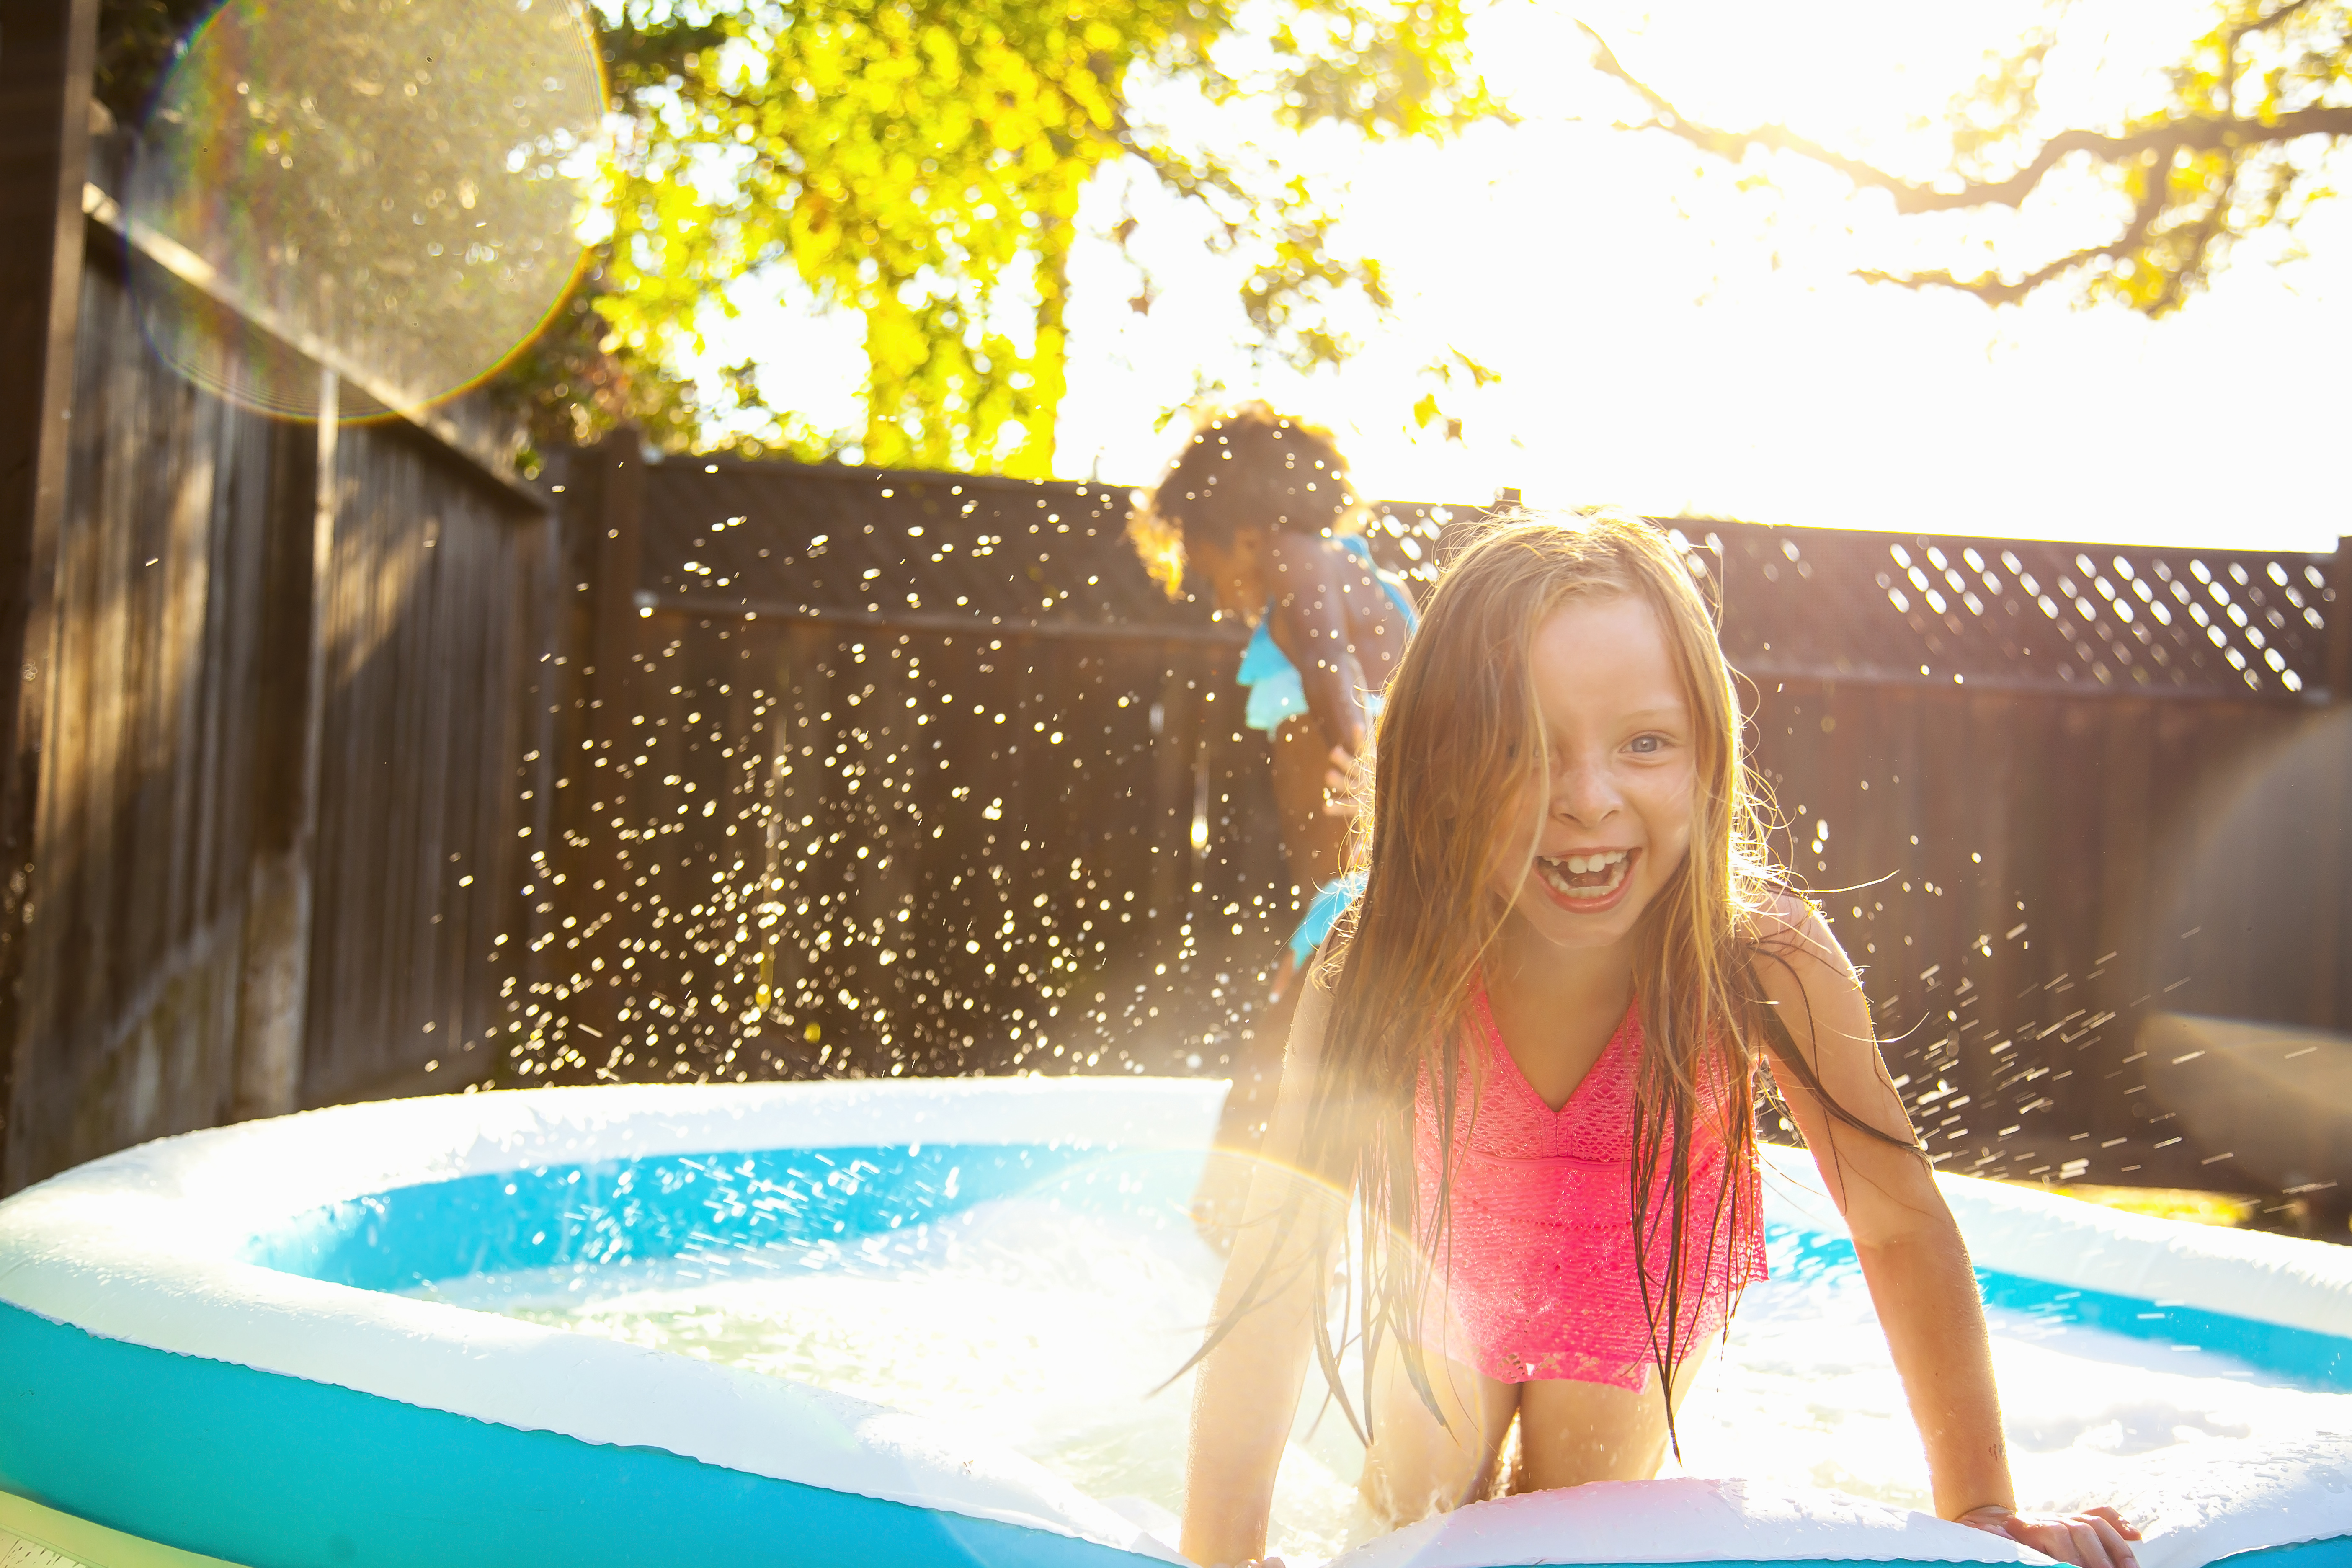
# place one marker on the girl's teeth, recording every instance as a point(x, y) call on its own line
point(1611, 862)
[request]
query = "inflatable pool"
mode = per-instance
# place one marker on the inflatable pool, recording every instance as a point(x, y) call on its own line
point(386, 1334)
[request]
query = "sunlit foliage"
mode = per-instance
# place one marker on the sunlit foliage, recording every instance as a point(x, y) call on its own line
point(922, 166)
point(2235, 141)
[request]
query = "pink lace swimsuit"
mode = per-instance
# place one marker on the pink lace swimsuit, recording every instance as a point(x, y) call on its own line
point(1538, 1278)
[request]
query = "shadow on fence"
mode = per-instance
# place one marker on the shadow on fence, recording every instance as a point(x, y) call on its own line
point(265, 780)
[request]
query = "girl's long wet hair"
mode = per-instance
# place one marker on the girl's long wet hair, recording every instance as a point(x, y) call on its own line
point(1460, 754)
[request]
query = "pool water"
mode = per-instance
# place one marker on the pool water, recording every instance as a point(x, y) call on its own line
point(1049, 1332)
point(1055, 1332)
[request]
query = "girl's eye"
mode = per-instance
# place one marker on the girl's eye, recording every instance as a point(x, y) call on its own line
point(1649, 745)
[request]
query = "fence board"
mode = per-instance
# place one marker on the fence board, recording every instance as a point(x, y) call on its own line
point(170, 736)
point(425, 727)
point(128, 997)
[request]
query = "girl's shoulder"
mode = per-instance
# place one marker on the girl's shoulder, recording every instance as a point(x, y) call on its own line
point(1345, 561)
point(1795, 961)
point(1788, 941)
point(1783, 919)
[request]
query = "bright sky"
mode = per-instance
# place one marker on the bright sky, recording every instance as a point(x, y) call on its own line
point(1670, 342)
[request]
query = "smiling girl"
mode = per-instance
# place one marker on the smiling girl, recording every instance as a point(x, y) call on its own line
point(1525, 1068)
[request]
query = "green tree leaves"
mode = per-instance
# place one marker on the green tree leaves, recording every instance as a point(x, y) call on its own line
point(922, 165)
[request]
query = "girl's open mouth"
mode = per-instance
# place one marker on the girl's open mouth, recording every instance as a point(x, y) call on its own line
point(1587, 881)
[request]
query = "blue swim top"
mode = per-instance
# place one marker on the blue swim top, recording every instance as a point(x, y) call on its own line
point(1275, 691)
point(1332, 900)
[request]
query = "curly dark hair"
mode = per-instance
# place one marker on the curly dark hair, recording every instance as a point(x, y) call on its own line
point(1244, 467)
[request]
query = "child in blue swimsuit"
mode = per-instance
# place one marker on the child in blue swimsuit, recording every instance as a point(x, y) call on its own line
point(1259, 506)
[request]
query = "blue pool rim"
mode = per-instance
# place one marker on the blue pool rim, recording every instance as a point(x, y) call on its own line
point(266, 1470)
point(734, 1202)
point(262, 1471)
point(2302, 1356)
point(273, 1468)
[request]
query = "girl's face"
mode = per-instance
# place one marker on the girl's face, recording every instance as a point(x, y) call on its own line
point(1621, 764)
point(1236, 569)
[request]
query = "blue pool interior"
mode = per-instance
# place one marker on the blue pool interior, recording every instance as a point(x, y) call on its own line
point(746, 1210)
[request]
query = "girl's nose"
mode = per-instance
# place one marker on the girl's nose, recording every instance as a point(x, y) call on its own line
point(1583, 792)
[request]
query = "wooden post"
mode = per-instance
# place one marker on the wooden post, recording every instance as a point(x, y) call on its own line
point(2333, 992)
point(2339, 625)
point(274, 989)
point(1175, 744)
point(588, 866)
point(616, 551)
point(46, 48)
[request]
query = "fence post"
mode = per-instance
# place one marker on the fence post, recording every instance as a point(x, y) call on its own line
point(616, 551)
point(274, 983)
point(2339, 623)
point(1174, 760)
point(612, 512)
point(2334, 991)
point(46, 48)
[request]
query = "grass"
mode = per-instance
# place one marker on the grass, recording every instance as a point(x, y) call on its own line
point(2227, 1209)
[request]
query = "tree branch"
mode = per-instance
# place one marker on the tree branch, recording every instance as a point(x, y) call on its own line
point(2162, 139)
point(2265, 24)
point(1994, 290)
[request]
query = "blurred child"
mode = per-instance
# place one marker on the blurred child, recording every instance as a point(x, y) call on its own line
point(1258, 506)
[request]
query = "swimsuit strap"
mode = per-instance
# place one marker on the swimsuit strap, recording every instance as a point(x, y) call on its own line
point(1360, 549)
point(1275, 691)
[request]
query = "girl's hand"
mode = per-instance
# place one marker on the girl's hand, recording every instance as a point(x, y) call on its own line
point(2094, 1538)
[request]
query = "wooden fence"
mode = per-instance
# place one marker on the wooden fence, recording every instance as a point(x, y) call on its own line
point(263, 795)
point(2049, 790)
point(916, 774)
point(736, 770)
point(892, 773)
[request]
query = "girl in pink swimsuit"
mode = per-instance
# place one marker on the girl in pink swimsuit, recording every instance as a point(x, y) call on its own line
point(1517, 1102)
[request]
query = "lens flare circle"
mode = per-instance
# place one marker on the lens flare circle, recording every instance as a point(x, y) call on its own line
point(392, 189)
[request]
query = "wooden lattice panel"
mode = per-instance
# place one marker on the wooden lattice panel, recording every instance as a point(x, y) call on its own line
point(2014, 612)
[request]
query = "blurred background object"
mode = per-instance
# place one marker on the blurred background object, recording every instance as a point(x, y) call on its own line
point(394, 189)
point(2274, 1101)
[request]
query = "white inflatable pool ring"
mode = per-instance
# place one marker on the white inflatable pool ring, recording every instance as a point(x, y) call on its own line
point(200, 1347)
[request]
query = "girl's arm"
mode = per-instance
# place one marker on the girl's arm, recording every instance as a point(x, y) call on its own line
point(1310, 627)
point(1247, 1387)
point(1912, 1257)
